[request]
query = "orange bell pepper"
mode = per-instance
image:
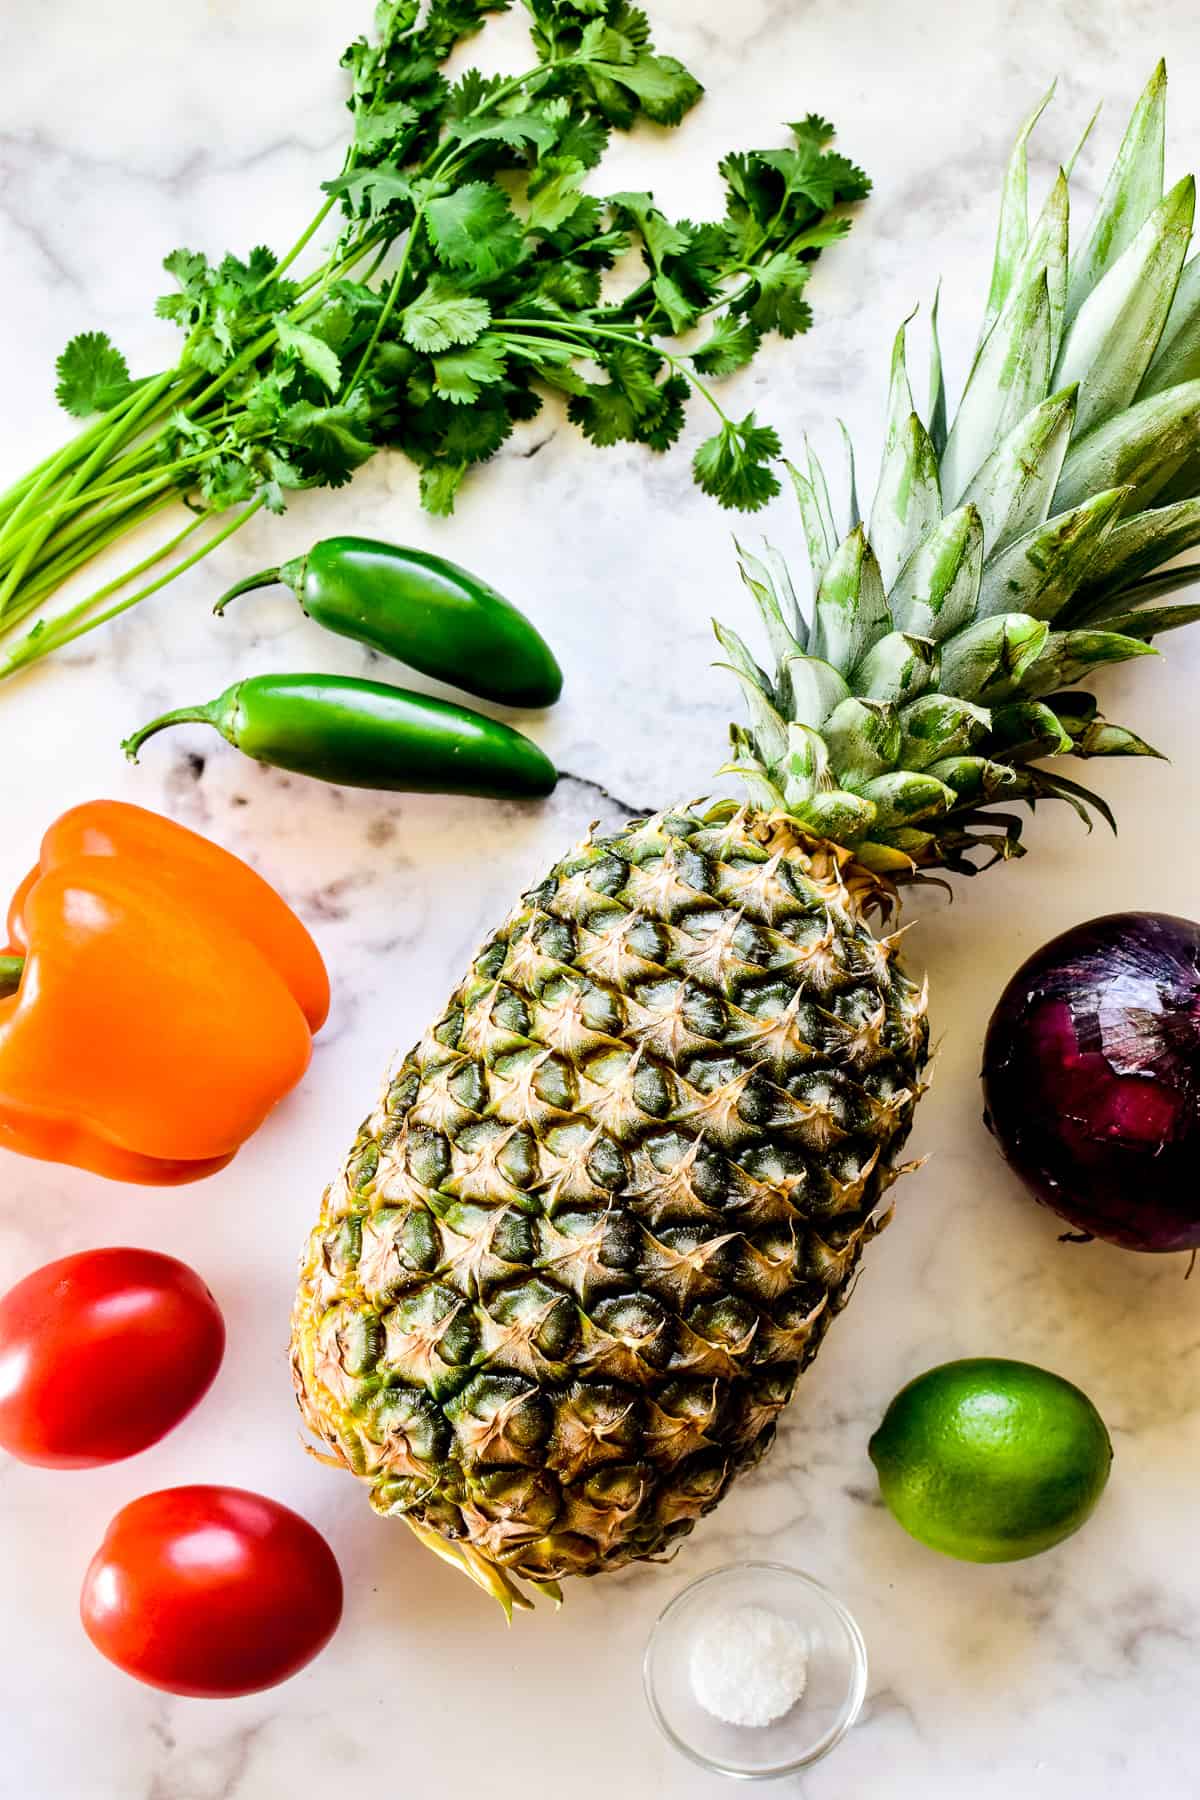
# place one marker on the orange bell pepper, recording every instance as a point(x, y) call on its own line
point(167, 999)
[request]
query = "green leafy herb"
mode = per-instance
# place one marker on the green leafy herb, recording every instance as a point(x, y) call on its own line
point(311, 352)
point(730, 346)
point(92, 375)
point(442, 316)
point(735, 465)
point(468, 280)
point(475, 229)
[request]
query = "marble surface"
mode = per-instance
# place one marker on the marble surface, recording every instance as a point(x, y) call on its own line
point(131, 127)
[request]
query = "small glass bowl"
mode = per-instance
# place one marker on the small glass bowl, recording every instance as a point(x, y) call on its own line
point(832, 1699)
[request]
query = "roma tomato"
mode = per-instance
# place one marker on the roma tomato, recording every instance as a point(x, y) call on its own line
point(211, 1592)
point(101, 1354)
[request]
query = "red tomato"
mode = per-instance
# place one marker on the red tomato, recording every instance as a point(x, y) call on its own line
point(211, 1592)
point(101, 1354)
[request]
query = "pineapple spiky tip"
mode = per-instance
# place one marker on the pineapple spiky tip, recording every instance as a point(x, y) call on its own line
point(1008, 554)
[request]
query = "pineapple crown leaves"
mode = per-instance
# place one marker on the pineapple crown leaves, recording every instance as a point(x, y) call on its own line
point(1008, 554)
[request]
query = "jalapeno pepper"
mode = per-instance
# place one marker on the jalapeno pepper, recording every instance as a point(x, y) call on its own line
point(364, 734)
point(422, 610)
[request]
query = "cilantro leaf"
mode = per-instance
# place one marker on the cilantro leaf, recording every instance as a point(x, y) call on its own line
point(194, 276)
point(331, 441)
point(380, 126)
point(631, 22)
point(674, 303)
point(271, 491)
point(584, 230)
point(475, 228)
point(601, 42)
point(734, 465)
point(439, 432)
point(849, 181)
point(515, 129)
point(805, 172)
point(775, 302)
point(470, 93)
point(369, 192)
point(475, 433)
point(635, 372)
point(812, 131)
point(584, 138)
point(554, 192)
point(440, 483)
point(703, 266)
point(311, 352)
point(459, 375)
point(347, 318)
point(665, 88)
point(442, 316)
point(632, 405)
point(560, 376)
point(93, 376)
point(730, 346)
point(189, 267)
point(661, 430)
point(603, 414)
point(252, 274)
point(449, 21)
point(218, 307)
point(569, 284)
point(661, 238)
point(227, 481)
point(825, 232)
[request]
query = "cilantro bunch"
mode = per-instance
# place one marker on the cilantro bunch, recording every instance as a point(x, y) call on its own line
point(468, 275)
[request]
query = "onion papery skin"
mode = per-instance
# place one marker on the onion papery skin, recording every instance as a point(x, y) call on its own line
point(1091, 1075)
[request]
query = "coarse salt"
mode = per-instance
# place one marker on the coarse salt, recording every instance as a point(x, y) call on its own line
point(749, 1666)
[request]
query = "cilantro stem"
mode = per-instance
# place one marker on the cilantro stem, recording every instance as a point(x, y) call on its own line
point(414, 232)
point(57, 467)
point(377, 264)
point(631, 336)
point(141, 465)
point(133, 487)
point(14, 494)
point(84, 542)
point(81, 618)
point(54, 468)
point(514, 85)
point(147, 397)
point(67, 454)
point(306, 236)
point(29, 603)
point(52, 576)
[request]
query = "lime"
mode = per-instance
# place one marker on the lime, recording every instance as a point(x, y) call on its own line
point(991, 1460)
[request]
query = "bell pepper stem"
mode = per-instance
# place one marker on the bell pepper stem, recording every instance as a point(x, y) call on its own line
point(182, 715)
point(264, 578)
point(11, 970)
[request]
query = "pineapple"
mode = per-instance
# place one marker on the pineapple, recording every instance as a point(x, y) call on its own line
point(604, 1213)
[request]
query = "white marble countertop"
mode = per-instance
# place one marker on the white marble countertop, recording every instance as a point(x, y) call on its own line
point(130, 128)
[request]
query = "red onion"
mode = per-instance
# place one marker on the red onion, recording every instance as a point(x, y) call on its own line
point(1091, 1073)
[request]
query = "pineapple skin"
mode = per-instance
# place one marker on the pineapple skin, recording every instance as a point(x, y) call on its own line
point(605, 1211)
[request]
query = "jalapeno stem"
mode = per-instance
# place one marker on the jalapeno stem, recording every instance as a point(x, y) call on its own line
point(11, 970)
point(182, 715)
point(264, 578)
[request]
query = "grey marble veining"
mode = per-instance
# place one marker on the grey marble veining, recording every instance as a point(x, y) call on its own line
point(129, 128)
